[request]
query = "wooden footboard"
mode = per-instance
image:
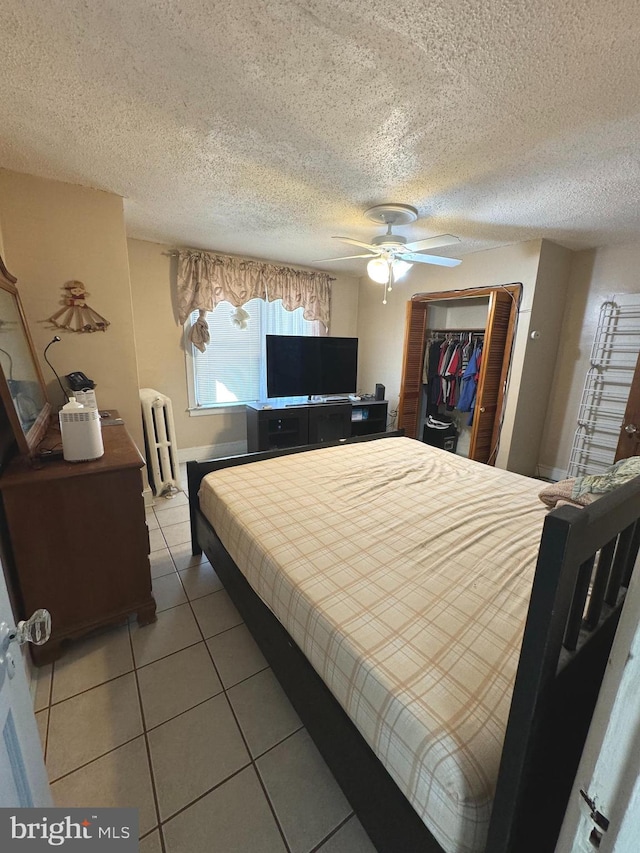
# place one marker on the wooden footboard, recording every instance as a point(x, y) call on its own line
point(585, 556)
point(585, 562)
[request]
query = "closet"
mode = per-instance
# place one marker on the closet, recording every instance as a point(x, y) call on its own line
point(490, 314)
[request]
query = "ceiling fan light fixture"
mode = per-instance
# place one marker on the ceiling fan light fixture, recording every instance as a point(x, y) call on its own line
point(400, 268)
point(378, 270)
point(390, 250)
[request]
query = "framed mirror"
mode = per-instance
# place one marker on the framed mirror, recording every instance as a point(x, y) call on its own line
point(22, 388)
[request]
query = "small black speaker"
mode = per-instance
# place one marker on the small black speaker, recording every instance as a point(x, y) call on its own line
point(379, 391)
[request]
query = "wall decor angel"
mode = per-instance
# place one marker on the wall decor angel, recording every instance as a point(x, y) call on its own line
point(76, 315)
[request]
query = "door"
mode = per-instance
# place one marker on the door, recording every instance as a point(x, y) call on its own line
point(501, 321)
point(609, 770)
point(629, 441)
point(411, 383)
point(23, 778)
point(490, 393)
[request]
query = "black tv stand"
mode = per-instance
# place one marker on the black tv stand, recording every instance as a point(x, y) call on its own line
point(275, 424)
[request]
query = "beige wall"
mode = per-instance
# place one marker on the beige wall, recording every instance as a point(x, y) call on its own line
point(161, 359)
point(540, 357)
point(53, 233)
point(381, 327)
point(596, 275)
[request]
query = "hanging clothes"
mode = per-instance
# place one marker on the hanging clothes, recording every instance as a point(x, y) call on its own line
point(446, 359)
point(451, 376)
point(469, 384)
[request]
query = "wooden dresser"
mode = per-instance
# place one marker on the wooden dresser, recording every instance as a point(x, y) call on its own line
point(78, 540)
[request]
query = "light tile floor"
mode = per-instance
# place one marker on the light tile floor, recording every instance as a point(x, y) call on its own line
point(184, 720)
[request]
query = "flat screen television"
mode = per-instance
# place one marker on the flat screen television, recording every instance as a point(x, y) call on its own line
point(311, 366)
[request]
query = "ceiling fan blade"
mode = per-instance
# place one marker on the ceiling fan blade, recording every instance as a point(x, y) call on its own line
point(358, 243)
point(432, 243)
point(429, 259)
point(347, 258)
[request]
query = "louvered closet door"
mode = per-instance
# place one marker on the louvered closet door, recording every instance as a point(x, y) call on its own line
point(492, 378)
point(411, 386)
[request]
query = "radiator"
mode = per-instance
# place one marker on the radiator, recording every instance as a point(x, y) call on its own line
point(160, 443)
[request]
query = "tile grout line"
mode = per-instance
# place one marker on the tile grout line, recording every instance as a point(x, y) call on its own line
point(48, 710)
point(335, 831)
point(251, 757)
point(246, 745)
point(255, 759)
point(148, 749)
point(97, 757)
point(252, 761)
point(93, 687)
point(242, 735)
point(46, 737)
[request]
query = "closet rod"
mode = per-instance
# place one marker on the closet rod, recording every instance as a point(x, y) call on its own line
point(456, 331)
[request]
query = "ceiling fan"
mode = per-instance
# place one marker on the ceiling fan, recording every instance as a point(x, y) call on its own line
point(390, 255)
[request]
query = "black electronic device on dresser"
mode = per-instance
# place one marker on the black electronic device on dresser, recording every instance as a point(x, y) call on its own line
point(276, 425)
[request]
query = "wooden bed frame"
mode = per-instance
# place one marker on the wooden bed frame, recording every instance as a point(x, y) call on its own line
point(562, 661)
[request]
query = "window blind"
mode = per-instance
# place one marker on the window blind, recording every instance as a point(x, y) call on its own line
point(232, 368)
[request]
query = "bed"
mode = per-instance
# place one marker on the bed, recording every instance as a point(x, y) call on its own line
point(441, 634)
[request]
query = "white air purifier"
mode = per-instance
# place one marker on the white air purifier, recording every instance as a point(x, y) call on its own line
point(81, 432)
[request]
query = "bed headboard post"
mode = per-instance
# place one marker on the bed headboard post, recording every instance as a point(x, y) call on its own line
point(547, 617)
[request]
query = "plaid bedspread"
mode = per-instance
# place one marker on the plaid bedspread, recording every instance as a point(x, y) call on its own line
point(403, 572)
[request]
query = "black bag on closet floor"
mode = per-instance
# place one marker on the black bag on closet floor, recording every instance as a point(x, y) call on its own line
point(440, 431)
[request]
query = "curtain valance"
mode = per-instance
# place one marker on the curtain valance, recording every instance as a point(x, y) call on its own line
point(205, 279)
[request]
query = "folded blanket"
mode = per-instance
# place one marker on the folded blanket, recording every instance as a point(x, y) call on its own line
point(562, 493)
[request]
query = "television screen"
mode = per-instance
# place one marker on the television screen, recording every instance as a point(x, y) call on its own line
point(311, 366)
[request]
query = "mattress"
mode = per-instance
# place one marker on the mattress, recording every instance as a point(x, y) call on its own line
point(403, 572)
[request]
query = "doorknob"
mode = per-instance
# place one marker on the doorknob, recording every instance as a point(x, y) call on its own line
point(630, 429)
point(36, 630)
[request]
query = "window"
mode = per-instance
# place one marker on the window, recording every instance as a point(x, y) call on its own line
point(231, 370)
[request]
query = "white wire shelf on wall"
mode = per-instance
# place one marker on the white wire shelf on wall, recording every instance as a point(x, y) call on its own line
point(613, 358)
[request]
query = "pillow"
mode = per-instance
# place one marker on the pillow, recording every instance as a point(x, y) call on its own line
point(562, 492)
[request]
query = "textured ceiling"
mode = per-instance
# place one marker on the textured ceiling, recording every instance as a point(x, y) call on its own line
point(264, 128)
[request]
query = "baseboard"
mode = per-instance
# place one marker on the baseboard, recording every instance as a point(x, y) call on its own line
point(212, 451)
point(553, 474)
